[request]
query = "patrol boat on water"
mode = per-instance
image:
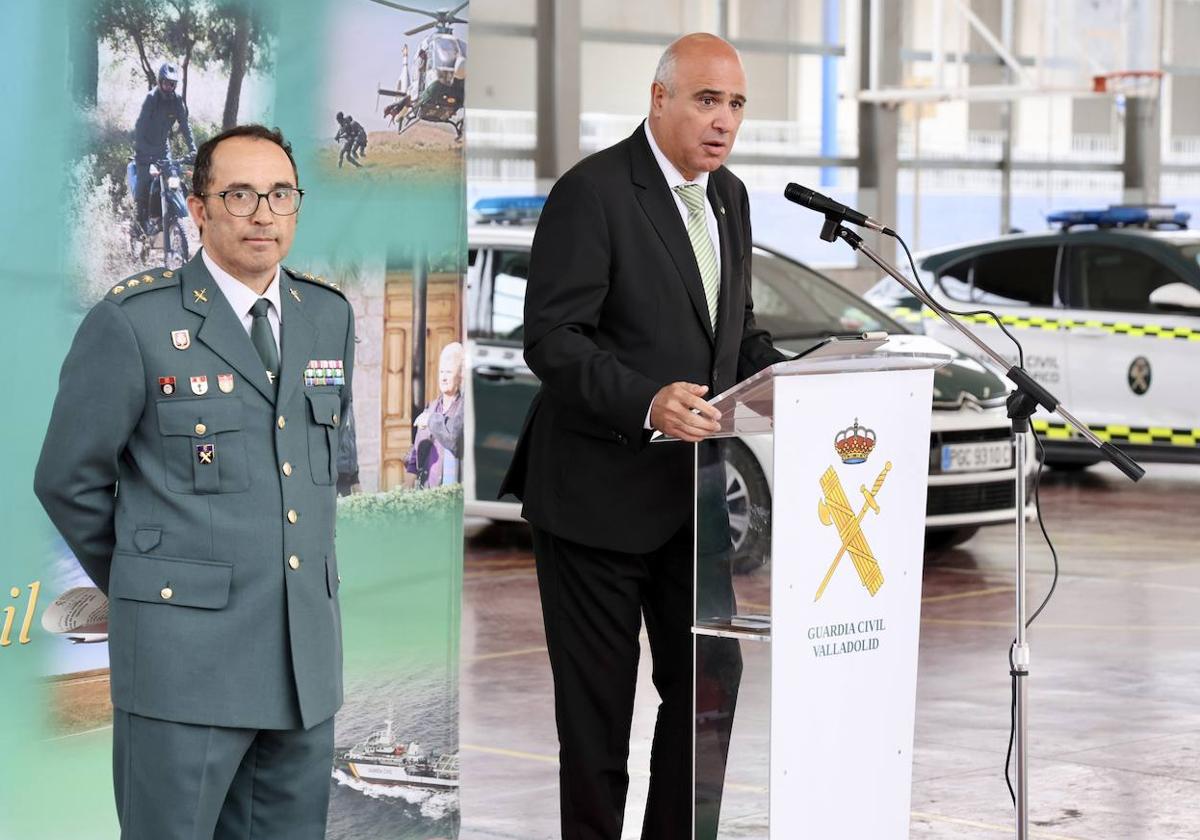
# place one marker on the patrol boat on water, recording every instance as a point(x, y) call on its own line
point(382, 760)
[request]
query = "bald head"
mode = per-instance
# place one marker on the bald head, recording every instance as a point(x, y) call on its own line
point(696, 102)
point(700, 45)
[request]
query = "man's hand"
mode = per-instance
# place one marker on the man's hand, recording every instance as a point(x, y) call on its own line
point(679, 410)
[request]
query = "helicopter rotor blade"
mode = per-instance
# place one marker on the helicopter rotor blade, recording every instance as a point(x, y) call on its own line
point(461, 6)
point(422, 27)
point(456, 20)
point(405, 8)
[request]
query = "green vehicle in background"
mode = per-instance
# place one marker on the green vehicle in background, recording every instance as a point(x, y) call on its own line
point(970, 456)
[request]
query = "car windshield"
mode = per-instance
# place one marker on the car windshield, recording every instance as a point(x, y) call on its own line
point(797, 305)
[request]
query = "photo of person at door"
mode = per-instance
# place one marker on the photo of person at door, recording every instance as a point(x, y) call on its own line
point(436, 455)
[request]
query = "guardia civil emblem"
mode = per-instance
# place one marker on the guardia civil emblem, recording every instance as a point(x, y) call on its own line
point(854, 445)
point(1139, 375)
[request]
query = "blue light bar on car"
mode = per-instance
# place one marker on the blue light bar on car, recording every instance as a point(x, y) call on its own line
point(1123, 215)
point(509, 209)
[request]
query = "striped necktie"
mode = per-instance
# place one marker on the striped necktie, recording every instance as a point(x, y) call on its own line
point(706, 256)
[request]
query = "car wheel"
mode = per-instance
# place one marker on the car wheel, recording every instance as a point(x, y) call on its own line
point(945, 538)
point(749, 498)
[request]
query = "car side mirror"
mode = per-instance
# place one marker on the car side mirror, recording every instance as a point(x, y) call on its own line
point(1177, 296)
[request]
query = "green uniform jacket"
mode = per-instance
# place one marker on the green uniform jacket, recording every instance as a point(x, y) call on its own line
point(208, 518)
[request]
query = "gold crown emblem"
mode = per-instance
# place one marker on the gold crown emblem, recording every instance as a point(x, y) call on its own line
point(854, 443)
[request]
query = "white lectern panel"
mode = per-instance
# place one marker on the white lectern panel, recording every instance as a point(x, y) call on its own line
point(849, 522)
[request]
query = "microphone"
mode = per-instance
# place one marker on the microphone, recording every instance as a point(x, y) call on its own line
point(824, 204)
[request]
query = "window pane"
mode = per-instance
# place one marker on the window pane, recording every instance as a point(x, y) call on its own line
point(1014, 277)
point(1116, 279)
point(508, 296)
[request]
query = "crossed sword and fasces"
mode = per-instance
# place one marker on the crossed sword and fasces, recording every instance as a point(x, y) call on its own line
point(835, 509)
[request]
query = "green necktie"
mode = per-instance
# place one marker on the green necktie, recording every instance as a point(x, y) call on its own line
point(706, 255)
point(263, 339)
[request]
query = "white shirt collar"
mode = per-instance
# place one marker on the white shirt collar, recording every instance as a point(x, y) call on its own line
point(240, 296)
point(673, 176)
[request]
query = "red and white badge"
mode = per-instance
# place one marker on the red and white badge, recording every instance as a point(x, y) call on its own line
point(199, 385)
point(225, 382)
point(166, 384)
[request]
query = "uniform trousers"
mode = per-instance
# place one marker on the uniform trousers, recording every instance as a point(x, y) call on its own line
point(593, 602)
point(180, 781)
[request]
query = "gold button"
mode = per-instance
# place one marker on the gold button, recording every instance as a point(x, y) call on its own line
point(335, 419)
point(294, 562)
point(201, 428)
point(293, 516)
point(281, 422)
point(287, 468)
point(166, 593)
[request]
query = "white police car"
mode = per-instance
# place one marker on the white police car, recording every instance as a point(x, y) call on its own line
point(1107, 308)
point(971, 457)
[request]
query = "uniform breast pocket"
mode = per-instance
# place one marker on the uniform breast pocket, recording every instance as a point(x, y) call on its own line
point(204, 450)
point(324, 406)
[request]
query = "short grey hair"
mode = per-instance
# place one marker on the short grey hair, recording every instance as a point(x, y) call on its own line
point(664, 74)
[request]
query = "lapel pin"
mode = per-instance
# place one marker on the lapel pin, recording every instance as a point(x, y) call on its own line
point(166, 384)
point(205, 452)
point(225, 382)
point(295, 294)
point(270, 377)
point(201, 295)
point(181, 339)
point(199, 385)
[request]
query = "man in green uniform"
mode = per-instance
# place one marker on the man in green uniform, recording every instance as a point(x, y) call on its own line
point(191, 465)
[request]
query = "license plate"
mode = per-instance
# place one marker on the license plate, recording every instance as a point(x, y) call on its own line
point(963, 457)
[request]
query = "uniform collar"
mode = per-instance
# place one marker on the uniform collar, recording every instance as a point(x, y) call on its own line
point(673, 176)
point(240, 296)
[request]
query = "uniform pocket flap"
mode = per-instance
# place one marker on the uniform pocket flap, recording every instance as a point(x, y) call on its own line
point(170, 580)
point(199, 418)
point(325, 407)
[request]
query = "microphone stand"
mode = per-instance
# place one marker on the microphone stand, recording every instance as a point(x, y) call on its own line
point(1022, 403)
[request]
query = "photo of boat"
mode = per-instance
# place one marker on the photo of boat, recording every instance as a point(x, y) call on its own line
point(382, 760)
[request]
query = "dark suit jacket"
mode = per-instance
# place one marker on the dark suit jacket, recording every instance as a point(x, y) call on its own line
point(614, 310)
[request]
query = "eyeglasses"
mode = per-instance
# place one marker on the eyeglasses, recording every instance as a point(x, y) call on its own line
point(283, 201)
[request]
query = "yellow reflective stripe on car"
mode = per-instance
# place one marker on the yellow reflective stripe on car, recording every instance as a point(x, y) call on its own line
point(1119, 433)
point(1040, 322)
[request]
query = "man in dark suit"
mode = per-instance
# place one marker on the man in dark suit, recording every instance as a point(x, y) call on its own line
point(191, 463)
point(638, 305)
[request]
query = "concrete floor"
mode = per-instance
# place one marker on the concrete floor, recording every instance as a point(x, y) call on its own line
point(1114, 692)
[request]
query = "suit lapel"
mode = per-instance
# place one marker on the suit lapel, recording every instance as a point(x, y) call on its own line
point(724, 311)
point(299, 336)
point(221, 331)
point(663, 213)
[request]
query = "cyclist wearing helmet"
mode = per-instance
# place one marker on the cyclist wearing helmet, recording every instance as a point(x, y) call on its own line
point(161, 111)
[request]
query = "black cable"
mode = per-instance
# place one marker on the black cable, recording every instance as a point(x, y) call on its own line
point(962, 313)
point(1037, 505)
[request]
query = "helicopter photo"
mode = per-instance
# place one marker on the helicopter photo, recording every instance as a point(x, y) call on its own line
point(431, 89)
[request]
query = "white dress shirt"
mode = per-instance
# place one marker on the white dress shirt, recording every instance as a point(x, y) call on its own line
point(675, 179)
point(241, 297)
